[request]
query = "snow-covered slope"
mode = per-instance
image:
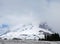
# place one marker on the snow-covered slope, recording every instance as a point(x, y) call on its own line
point(26, 32)
point(3, 29)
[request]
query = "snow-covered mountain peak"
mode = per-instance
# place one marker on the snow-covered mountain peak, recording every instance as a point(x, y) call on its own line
point(21, 27)
point(31, 31)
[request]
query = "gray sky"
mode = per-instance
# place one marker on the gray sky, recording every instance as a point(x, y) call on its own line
point(14, 12)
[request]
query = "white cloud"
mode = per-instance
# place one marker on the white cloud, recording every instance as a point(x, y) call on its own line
point(23, 11)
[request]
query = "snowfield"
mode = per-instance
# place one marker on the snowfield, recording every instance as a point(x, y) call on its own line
point(27, 42)
point(29, 31)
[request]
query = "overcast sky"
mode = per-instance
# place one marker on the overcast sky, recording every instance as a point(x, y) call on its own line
point(15, 12)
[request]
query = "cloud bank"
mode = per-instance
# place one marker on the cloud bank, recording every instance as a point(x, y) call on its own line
point(14, 12)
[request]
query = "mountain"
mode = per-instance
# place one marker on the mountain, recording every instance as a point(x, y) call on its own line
point(29, 31)
point(3, 29)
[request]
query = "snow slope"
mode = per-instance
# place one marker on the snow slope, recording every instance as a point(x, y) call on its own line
point(3, 29)
point(26, 32)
